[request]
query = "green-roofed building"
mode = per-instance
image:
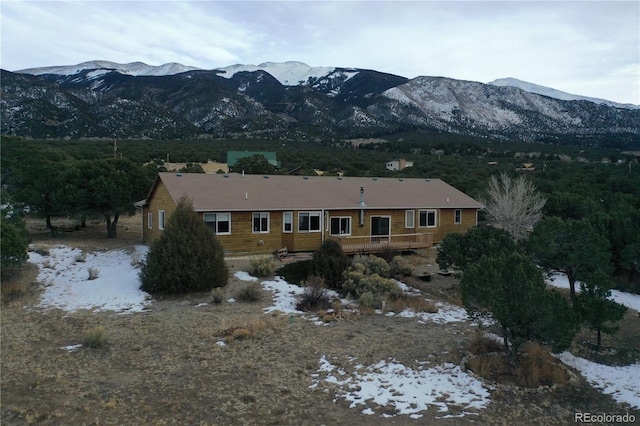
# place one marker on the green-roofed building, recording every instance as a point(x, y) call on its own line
point(234, 156)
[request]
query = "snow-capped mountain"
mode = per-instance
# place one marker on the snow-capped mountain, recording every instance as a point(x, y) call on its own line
point(293, 100)
point(133, 68)
point(289, 73)
point(554, 93)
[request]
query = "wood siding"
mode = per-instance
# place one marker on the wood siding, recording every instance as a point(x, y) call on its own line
point(159, 199)
point(243, 239)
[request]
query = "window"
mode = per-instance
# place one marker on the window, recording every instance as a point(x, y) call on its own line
point(219, 223)
point(340, 226)
point(287, 222)
point(409, 219)
point(457, 216)
point(380, 225)
point(150, 220)
point(260, 223)
point(161, 219)
point(309, 222)
point(427, 219)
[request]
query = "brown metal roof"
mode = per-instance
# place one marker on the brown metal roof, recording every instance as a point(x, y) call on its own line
point(235, 192)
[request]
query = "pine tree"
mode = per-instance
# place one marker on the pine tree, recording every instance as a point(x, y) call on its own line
point(512, 290)
point(596, 308)
point(186, 258)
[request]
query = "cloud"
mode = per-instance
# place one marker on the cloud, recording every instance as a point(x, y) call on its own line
point(591, 48)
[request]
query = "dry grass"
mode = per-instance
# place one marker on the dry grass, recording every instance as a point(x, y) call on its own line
point(251, 292)
point(164, 366)
point(416, 303)
point(535, 367)
point(481, 344)
point(95, 338)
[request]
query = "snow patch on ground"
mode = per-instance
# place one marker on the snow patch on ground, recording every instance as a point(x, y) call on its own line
point(627, 299)
point(244, 276)
point(64, 272)
point(620, 382)
point(409, 391)
point(284, 296)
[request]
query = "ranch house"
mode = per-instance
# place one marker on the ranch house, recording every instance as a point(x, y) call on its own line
point(262, 214)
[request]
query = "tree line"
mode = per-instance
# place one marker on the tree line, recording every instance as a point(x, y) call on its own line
point(83, 180)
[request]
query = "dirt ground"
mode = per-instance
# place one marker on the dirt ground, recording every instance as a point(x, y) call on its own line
point(163, 366)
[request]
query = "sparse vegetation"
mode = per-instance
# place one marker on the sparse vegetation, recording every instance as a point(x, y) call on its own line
point(262, 267)
point(369, 289)
point(95, 337)
point(251, 292)
point(315, 295)
point(400, 267)
point(217, 295)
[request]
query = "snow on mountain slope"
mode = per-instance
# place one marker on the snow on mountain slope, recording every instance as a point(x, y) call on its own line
point(554, 93)
point(291, 73)
point(133, 68)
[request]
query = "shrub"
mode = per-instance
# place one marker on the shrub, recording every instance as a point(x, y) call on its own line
point(481, 344)
point(95, 338)
point(250, 293)
point(400, 268)
point(217, 295)
point(14, 242)
point(93, 273)
point(357, 282)
point(388, 254)
point(373, 264)
point(262, 268)
point(186, 258)
point(329, 262)
point(80, 258)
point(296, 272)
point(537, 367)
point(315, 295)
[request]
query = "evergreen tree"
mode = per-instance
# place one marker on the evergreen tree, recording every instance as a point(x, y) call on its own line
point(569, 246)
point(596, 308)
point(462, 250)
point(329, 262)
point(186, 258)
point(512, 290)
point(14, 239)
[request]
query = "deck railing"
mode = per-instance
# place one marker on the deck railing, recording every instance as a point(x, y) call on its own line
point(377, 243)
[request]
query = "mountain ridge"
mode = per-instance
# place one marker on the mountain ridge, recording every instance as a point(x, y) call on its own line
point(289, 73)
point(139, 101)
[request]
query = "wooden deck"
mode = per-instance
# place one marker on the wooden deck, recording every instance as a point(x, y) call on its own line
point(375, 244)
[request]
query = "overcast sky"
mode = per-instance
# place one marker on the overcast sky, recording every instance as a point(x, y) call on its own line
point(588, 48)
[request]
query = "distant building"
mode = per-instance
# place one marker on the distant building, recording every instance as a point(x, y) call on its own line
point(398, 164)
point(528, 167)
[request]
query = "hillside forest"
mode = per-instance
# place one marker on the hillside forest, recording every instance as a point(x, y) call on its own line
point(102, 179)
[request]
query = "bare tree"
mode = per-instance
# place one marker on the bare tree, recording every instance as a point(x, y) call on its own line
point(513, 205)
